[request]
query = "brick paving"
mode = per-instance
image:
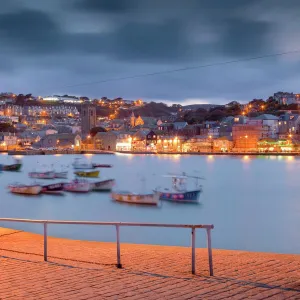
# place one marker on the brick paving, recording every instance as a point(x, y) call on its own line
point(86, 270)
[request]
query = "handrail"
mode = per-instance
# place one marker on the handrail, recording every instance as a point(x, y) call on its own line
point(118, 224)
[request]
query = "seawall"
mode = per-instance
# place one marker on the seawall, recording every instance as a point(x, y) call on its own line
point(86, 270)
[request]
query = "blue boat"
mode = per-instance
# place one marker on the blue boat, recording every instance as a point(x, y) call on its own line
point(179, 191)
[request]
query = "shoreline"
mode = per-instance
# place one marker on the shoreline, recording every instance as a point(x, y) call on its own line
point(102, 152)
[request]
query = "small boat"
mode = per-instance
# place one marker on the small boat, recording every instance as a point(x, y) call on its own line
point(42, 175)
point(128, 197)
point(63, 174)
point(103, 185)
point(12, 168)
point(91, 174)
point(80, 164)
point(179, 191)
point(78, 186)
point(102, 166)
point(25, 189)
point(53, 188)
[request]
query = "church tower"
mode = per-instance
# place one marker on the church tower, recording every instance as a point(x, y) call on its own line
point(132, 120)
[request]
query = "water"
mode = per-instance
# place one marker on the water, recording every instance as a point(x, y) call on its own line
point(254, 203)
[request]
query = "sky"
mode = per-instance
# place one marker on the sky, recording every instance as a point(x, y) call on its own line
point(74, 46)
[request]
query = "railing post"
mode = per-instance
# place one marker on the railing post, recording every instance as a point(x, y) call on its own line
point(193, 250)
point(45, 242)
point(210, 260)
point(119, 265)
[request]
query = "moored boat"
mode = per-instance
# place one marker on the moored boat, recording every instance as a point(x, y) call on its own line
point(91, 174)
point(103, 185)
point(78, 186)
point(81, 164)
point(128, 197)
point(102, 166)
point(12, 168)
point(63, 174)
point(25, 189)
point(42, 175)
point(179, 191)
point(53, 188)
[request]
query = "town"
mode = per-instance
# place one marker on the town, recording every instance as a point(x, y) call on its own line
point(69, 123)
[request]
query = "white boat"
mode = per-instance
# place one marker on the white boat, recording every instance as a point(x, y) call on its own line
point(25, 189)
point(42, 175)
point(81, 164)
point(103, 185)
point(128, 197)
point(63, 174)
point(78, 186)
point(179, 191)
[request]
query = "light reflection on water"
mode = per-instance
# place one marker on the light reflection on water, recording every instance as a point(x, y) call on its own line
point(253, 202)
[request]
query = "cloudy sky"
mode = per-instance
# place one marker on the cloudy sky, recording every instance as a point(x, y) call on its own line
point(67, 46)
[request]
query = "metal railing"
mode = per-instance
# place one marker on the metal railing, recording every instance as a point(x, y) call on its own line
point(118, 225)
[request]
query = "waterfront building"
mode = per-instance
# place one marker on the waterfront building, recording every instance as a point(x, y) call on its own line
point(88, 118)
point(106, 141)
point(198, 144)
point(123, 142)
point(222, 144)
point(63, 141)
point(8, 140)
point(271, 122)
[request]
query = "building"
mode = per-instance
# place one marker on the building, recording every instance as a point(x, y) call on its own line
point(63, 140)
point(135, 121)
point(106, 141)
point(246, 136)
point(123, 142)
point(222, 144)
point(271, 122)
point(287, 98)
point(88, 118)
point(8, 140)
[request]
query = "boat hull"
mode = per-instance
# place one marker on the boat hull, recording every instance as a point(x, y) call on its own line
point(12, 168)
point(61, 175)
point(53, 188)
point(184, 197)
point(42, 175)
point(92, 174)
point(145, 199)
point(81, 187)
point(103, 186)
point(102, 166)
point(26, 190)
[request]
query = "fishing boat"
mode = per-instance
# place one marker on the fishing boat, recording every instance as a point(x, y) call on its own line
point(25, 189)
point(53, 188)
point(179, 191)
point(133, 198)
point(42, 175)
point(81, 164)
point(91, 174)
point(103, 185)
point(102, 166)
point(63, 174)
point(78, 186)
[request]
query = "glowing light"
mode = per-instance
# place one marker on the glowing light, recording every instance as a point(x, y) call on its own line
point(291, 158)
point(246, 157)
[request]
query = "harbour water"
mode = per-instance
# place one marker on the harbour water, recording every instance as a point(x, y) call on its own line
point(254, 202)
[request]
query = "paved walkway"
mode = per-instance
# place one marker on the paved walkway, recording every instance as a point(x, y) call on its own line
point(86, 270)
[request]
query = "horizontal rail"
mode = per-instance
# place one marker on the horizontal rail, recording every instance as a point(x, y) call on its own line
point(118, 225)
point(107, 223)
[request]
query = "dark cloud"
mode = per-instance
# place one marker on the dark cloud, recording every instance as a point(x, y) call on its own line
point(89, 40)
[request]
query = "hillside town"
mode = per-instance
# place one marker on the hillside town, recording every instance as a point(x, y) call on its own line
point(78, 123)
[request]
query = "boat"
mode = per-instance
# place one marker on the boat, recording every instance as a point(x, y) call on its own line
point(103, 185)
point(102, 166)
point(91, 174)
point(53, 188)
point(63, 174)
point(25, 189)
point(42, 175)
point(133, 198)
point(13, 167)
point(179, 191)
point(78, 186)
point(80, 164)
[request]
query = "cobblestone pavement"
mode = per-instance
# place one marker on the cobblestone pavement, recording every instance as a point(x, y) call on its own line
point(86, 270)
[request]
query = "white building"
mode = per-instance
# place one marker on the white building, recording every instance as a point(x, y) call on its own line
point(272, 123)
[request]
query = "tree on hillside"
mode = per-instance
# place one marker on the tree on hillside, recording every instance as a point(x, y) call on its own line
point(95, 130)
